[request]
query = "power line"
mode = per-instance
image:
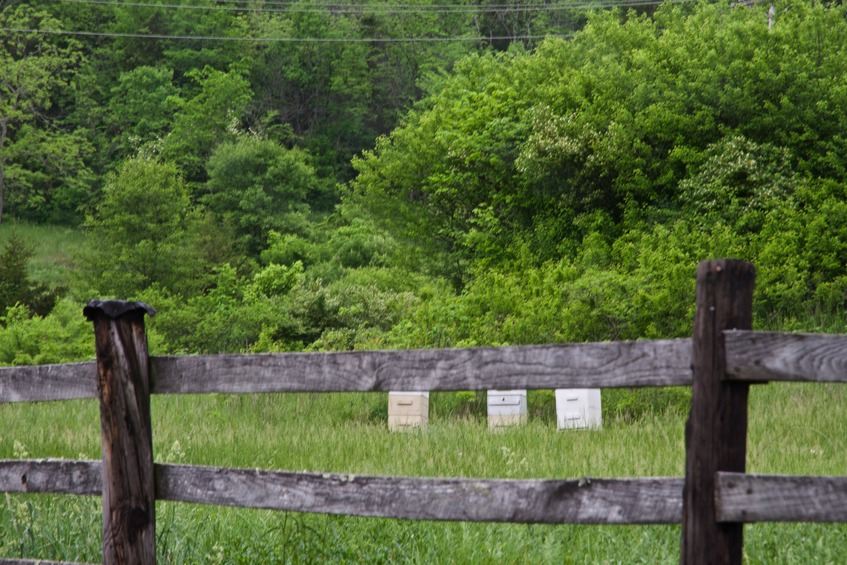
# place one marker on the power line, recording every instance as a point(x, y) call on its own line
point(387, 9)
point(532, 7)
point(347, 5)
point(282, 39)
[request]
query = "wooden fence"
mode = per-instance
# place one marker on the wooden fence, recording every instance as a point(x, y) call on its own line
point(712, 501)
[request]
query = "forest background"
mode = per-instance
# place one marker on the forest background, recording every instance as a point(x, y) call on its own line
point(289, 176)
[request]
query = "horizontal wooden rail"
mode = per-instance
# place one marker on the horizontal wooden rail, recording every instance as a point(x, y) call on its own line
point(772, 356)
point(740, 497)
point(577, 501)
point(48, 382)
point(36, 562)
point(51, 476)
point(781, 498)
point(580, 501)
point(583, 365)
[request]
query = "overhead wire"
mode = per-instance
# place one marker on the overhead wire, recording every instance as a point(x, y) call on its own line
point(600, 4)
point(283, 39)
point(385, 8)
point(329, 4)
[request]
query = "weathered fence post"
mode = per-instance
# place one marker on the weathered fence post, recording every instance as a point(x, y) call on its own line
point(129, 504)
point(716, 431)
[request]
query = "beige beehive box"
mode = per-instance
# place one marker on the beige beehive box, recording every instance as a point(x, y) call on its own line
point(578, 408)
point(506, 408)
point(408, 410)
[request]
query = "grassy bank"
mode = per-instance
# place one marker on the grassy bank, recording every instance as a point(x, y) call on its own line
point(54, 249)
point(793, 429)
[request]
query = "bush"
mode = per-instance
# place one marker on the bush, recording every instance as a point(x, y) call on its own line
point(15, 284)
point(63, 336)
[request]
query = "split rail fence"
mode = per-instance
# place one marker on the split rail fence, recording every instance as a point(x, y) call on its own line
point(712, 502)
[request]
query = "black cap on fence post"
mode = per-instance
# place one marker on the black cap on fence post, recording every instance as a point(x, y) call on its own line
point(123, 385)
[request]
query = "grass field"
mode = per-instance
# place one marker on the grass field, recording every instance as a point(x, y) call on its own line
point(795, 429)
point(53, 250)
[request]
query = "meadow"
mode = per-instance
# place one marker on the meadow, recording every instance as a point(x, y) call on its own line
point(53, 250)
point(794, 429)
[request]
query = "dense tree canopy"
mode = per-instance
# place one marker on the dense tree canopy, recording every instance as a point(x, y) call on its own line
point(297, 177)
point(41, 160)
point(537, 147)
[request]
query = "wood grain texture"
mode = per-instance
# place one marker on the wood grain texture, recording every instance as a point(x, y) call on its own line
point(48, 382)
point(771, 356)
point(589, 365)
point(129, 496)
point(776, 498)
point(716, 431)
point(56, 476)
point(578, 501)
point(581, 501)
point(36, 562)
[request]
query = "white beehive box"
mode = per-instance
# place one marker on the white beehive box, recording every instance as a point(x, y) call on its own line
point(578, 408)
point(408, 410)
point(506, 408)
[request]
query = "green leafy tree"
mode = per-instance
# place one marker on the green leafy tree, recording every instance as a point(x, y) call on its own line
point(36, 154)
point(16, 286)
point(452, 165)
point(201, 123)
point(257, 186)
point(62, 336)
point(143, 233)
point(321, 90)
point(337, 96)
point(141, 108)
point(524, 152)
point(183, 55)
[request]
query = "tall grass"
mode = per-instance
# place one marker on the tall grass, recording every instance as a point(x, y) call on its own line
point(794, 428)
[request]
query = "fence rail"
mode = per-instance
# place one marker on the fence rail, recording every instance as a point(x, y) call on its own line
point(712, 501)
point(771, 356)
point(575, 501)
point(587, 365)
point(751, 356)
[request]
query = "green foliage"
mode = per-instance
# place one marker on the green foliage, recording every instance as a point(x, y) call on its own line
point(219, 320)
point(738, 183)
point(43, 174)
point(286, 249)
point(63, 336)
point(338, 95)
point(16, 286)
point(144, 232)
point(47, 175)
point(182, 54)
point(698, 107)
point(434, 178)
point(360, 244)
point(204, 121)
point(141, 108)
point(277, 279)
point(257, 186)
